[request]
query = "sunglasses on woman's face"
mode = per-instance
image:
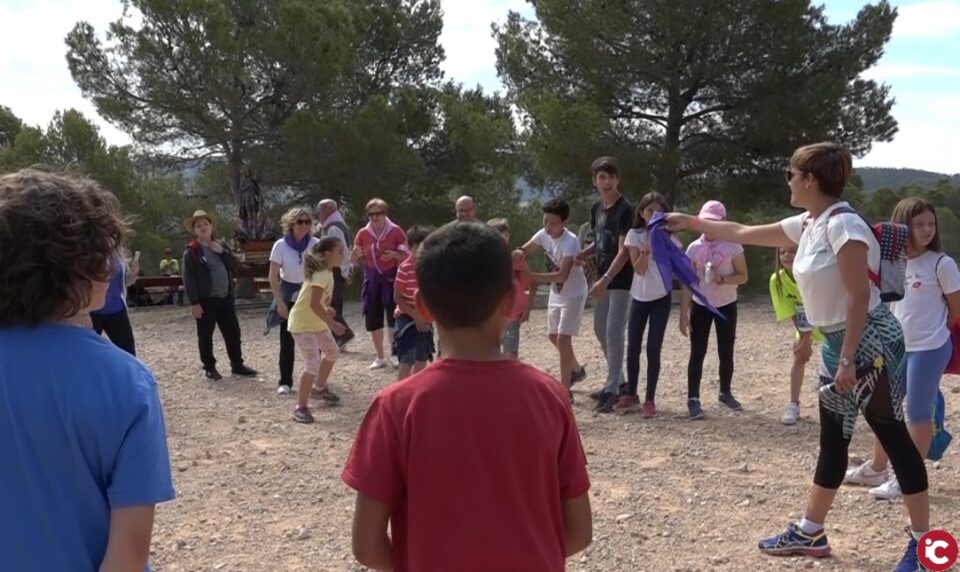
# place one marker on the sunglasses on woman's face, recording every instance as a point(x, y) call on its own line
point(791, 174)
point(374, 214)
point(304, 222)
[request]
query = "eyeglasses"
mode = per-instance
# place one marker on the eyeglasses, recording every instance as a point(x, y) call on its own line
point(372, 214)
point(304, 222)
point(790, 173)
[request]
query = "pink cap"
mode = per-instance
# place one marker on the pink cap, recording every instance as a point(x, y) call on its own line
point(713, 210)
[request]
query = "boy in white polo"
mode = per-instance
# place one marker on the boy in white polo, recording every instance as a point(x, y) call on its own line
point(568, 284)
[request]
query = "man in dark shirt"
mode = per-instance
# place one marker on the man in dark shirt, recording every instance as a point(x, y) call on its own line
point(611, 218)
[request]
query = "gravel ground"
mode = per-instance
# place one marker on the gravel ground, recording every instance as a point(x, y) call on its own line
point(258, 492)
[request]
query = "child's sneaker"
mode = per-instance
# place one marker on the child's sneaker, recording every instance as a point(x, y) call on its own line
point(865, 475)
point(302, 415)
point(694, 408)
point(910, 561)
point(627, 404)
point(792, 414)
point(730, 401)
point(326, 395)
point(889, 490)
point(795, 542)
point(283, 390)
point(378, 363)
point(648, 410)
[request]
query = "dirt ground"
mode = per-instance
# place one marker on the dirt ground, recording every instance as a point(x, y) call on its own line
point(259, 492)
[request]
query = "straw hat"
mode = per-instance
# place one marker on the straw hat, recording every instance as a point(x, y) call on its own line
point(190, 221)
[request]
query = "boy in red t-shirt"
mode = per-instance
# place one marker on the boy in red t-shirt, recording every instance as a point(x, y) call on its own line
point(475, 463)
point(413, 340)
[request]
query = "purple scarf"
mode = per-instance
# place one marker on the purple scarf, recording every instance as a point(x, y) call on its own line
point(299, 245)
point(672, 261)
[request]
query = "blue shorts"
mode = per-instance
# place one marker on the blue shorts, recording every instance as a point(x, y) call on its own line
point(924, 370)
point(410, 345)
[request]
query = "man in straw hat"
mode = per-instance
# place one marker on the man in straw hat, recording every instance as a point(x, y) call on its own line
point(208, 266)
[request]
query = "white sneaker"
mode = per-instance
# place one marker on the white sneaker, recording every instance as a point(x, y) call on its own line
point(889, 490)
point(283, 390)
point(378, 364)
point(866, 476)
point(394, 362)
point(791, 414)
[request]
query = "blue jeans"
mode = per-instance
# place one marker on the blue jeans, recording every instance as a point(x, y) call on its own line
point(657, 312)
point(609, 325)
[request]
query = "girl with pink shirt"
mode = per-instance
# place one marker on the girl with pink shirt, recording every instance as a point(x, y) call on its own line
point(722, 267)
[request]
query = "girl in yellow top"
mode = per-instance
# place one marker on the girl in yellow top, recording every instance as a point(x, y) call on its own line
point(312, 324)
point(788, 304)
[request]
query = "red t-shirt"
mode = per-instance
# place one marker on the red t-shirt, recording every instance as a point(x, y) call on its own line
point(374, 247)
point(519, 290)
point(474, 459)
point(406, 282)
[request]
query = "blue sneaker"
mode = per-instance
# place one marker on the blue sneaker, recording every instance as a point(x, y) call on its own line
point(693, 406)
point(910, 562)
point(795, 542)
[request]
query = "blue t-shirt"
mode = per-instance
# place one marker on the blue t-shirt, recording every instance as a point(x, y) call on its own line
point(81, 432)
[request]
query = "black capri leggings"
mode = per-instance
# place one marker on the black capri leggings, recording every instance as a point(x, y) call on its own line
point(373, 318)
point(700, 321)
point(892, 434)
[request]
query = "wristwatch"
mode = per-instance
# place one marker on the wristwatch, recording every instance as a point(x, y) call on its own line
point(845, 362)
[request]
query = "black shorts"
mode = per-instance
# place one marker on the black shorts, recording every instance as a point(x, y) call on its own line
point(410, 345)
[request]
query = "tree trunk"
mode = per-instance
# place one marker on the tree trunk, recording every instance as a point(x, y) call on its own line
point(234, 164)
point(668, 167)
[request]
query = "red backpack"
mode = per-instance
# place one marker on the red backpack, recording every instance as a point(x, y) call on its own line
point(892, 238)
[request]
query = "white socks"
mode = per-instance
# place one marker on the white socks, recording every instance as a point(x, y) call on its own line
point(810, 527)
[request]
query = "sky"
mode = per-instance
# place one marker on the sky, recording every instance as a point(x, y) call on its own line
point(921, 64)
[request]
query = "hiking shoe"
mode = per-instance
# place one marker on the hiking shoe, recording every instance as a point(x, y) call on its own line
point(243, 371)
point(730, 401)
point(795, 542)
point(622, 388)
point(326, 395)
point(595, 395)
point(578, 376)
point(865, 475)
point(627, 404)
point(213, 374)
point(284, 390)
point(889, 490)
point(694, 408)
point(302, 415)
point(648, 410)
point(791, 414)
point(378, 363)
point(605, 402)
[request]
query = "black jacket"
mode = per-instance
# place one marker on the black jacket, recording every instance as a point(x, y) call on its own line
point(196, 273)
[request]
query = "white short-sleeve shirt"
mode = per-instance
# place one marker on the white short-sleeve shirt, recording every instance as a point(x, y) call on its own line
point(923, 311)
point(815, 266)
point(290, 261)
point(556, 249)
point(649, 286)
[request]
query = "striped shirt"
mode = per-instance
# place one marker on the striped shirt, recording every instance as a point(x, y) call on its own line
point(405, 284)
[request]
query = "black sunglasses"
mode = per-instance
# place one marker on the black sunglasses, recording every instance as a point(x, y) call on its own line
point(791, 174)
point(304, 221)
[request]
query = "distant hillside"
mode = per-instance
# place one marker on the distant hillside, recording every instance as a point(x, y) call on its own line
point(878, 177)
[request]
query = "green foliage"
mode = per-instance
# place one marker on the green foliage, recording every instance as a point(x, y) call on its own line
point(72, 143)
point(876, 178)
point(681, 99)
point(10, 126)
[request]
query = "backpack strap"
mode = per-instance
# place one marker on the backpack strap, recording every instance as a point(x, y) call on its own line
point(874, 277)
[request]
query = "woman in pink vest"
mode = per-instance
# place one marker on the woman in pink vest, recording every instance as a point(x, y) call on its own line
point(381, 246)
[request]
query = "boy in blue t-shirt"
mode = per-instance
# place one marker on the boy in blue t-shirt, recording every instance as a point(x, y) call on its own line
point(82, 441)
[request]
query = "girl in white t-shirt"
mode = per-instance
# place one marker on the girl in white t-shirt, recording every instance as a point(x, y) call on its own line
point(930, 303)
point(862, 355)
point(651, 301)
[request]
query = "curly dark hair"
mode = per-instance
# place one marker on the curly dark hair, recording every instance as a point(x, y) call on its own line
point(58, 234)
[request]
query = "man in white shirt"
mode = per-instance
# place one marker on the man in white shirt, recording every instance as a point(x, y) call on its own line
point(332, 223)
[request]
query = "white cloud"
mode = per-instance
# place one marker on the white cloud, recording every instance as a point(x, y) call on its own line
point(928, 20)
point(468, 39)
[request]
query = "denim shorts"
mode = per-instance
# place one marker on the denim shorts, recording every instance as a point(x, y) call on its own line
point(410, 345)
